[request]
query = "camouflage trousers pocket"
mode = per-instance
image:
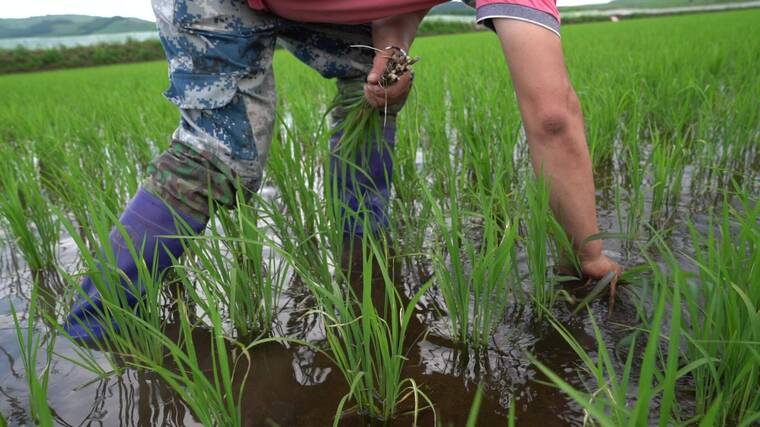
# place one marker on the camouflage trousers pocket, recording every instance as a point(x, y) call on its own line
point(213, 113)
point(200, 91)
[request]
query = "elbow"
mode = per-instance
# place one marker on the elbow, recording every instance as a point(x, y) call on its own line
point(559, 117)
point(556, 125)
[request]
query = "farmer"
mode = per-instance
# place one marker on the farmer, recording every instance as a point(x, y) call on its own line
point(221, 80)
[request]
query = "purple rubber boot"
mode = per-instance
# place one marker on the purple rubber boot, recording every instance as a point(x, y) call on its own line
point(146, 219)
point(373, 187)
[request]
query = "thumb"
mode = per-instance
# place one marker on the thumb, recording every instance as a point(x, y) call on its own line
point(378, 67)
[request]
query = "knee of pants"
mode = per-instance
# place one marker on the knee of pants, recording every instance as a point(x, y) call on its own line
point(215, 155)
point(191, 181)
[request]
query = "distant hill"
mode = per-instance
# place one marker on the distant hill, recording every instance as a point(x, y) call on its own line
point(70, 25)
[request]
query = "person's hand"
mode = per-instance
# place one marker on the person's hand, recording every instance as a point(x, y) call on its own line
point(598, 267)
point(398, 31)
point(379, 96)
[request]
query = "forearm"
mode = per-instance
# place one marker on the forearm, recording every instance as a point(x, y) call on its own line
point(562, 155)
point(398, 31)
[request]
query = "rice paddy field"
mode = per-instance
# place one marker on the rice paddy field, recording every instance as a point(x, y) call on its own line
point(455, 316)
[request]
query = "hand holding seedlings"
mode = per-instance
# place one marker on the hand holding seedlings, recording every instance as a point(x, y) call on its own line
point(390, 79)
point(388, 83)
point(392, 37)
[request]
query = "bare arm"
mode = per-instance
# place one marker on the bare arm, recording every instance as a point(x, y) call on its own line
point(554, 125)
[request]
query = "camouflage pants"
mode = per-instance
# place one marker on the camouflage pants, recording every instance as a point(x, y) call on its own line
point(221, 79)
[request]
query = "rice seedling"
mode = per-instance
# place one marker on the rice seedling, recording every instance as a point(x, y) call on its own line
point(721, 360)
point(409, 210)
point(362, 122)
point(367, 337)
point(209, 391)
point(544, 237)
point(724, 313)
point(633, 204)
point(29, 217)
point(72, 184)
point(211, 385)
point(30, 344)
point(238, 270)
point(365, 341)
point(609, 400)
point(668, 162)
point(475, 299)
point(361, 153)
point(304, 225)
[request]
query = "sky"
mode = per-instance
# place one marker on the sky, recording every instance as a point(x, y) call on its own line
point(133, 8)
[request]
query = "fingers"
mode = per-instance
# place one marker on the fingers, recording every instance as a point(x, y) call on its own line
point(600, 267)
point(378, 67)
point(379, 96)
point(617, 269)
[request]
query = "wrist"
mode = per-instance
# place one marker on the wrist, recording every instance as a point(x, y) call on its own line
point(590, 251)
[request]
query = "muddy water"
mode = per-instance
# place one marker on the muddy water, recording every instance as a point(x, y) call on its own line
point(294, 386)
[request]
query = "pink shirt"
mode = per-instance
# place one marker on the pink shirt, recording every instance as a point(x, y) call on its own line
point(360, 11)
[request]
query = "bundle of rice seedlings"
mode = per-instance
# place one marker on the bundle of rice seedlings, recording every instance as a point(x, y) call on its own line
point(361, 122)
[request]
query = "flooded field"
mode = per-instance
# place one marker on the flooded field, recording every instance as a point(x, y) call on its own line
point(276, 319)
point(294, 385)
